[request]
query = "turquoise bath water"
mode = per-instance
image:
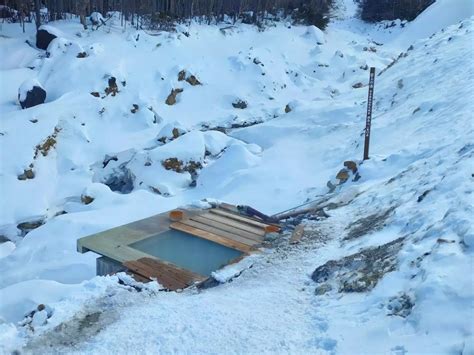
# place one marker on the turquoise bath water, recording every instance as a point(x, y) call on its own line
point(187, 251)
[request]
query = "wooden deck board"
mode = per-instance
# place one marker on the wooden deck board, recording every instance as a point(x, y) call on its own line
point(220, 232)
point(227, 228)
point(212, 237)
point(260, 231)
point(240, 218)
point(167, 275)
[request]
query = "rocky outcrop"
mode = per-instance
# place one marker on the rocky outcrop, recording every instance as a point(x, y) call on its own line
point(358, 272)
point(369, 224)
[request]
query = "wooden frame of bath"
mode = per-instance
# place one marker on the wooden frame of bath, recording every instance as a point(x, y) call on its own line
point(217, 225)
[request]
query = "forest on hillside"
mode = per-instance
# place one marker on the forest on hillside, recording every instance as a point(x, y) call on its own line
point(161, 13)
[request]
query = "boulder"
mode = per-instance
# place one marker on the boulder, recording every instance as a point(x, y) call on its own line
point(31, 93)
point(44, 36)
point(171, 99)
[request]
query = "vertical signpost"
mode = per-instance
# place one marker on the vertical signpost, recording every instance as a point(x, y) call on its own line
point(368, 122)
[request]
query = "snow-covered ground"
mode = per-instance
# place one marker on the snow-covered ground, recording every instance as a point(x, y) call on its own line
point(417, 185)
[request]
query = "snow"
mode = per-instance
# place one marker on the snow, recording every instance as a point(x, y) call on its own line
point(420, 166)
point(445, 12)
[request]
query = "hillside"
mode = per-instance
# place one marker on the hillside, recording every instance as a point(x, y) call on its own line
point(389, 269)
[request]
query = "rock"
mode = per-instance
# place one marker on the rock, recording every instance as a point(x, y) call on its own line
point(121, 180)
point(171, 100)
point(112, 88)
point(193, 80)
point(288, 108)
point(27, 175)
point(49, 143)
point(358, 272)
point(358, 85)
point(321, 290)
point(86, 200)
point(351, 165)
point(240, 104)
point(182, 75)
point(177, 165)
point(173, 164)
point(31, 93)
point(400, 305)
point(81, 55)
point(171, 131)
point(134, 108)
point(342, 176)
point(95, 94)
point(44, 37)
point(3, 239)
point(26, 227)
point(368, 224)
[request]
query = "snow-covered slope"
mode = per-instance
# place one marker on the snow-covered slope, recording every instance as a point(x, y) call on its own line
point(414, 198)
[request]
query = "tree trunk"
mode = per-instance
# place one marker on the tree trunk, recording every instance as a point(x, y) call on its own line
point(37, 14)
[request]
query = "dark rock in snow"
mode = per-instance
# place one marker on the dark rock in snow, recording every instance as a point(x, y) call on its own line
point(240, 104)
point(27, 175)
point(112, 88)
point(3, 239)
point(368, 224)
point(358, 272)
point(44, 38)
point(31, 94)
point(288, 108)
point(358, 85)
point(121, 180)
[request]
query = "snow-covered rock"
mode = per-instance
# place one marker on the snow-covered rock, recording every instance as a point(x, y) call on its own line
point(31, 93)
point(45, 35)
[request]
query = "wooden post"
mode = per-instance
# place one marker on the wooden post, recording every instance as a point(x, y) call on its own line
point(368, 121)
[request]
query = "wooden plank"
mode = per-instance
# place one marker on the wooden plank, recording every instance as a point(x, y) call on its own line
point(220, 232)
point(297, 234)
point(153, 270)
point(211, 236)
point(181, 274)
point(236, 224)
point(238, 218)
point(227, 228)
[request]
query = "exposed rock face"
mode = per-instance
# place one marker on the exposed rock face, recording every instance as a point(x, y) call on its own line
point(240, 104)
point(368, 224)
point(288, 108)
point(121, 180)
point(358, 272)
point(43, 38)
point(31, 94)
point(171, 100)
